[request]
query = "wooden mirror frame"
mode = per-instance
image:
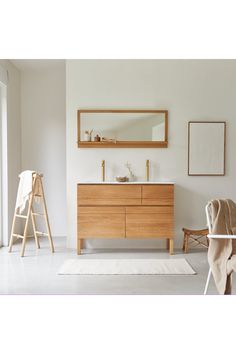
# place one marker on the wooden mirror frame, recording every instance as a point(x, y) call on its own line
point(123, 144)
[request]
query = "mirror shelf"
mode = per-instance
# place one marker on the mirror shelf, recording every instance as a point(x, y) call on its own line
point(113, 128)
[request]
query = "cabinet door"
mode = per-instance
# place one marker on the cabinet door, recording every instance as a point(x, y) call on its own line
point(161, 194)
point(109, 194)
point(104, 222)
point(149, 222)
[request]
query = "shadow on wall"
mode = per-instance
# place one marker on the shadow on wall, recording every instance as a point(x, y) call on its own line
point(189, 209)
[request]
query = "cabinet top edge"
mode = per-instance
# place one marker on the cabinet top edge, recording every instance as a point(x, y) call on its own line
point(126, 183)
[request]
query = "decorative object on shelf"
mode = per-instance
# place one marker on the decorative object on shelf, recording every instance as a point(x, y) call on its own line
point(97, 138)
point(88, 135)
point(122, 179)
point(109, 140)
point(131, 175)
point(206, 148)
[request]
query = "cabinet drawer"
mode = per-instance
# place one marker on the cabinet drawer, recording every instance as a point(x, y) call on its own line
point(158, 195)
point(101, 222)
point(149, 222)
point(101, 210)
point(109, 195)
point(161, 210)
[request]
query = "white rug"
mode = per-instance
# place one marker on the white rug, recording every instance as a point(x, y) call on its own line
point(127, 266)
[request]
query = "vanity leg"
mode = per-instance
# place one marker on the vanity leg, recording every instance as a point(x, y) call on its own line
point(167, 243)
point(171, 246)
point(79, 246)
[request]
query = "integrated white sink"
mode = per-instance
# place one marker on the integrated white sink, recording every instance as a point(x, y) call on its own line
point(136, 182)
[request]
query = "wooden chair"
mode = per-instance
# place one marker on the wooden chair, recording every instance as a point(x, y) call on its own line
point(196, 238)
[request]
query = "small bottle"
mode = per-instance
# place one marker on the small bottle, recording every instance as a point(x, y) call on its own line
point(97, 138)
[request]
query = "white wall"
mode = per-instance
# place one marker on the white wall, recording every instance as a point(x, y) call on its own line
point(190, 90)
point(13, 143)
point(43, 135)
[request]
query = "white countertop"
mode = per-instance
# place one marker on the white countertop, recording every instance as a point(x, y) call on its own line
point(136, 182)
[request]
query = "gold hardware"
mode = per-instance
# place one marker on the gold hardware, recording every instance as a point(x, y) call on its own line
point(103, 170)
point(147, 170)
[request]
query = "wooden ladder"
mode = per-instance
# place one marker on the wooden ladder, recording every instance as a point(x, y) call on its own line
point(37, 178)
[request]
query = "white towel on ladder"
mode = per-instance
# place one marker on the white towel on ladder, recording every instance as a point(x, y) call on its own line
point(24, 189)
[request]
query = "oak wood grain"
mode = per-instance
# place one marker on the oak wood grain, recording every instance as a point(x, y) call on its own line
point(122, 144)
point(98, 191)
point(101, 210)
point(101, 225)
point(158, 194)
point(115, 201)
point(132, 211)
point(109, 194)
point(140, 223)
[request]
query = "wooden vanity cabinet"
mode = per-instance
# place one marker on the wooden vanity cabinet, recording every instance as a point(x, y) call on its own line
point(125, 211)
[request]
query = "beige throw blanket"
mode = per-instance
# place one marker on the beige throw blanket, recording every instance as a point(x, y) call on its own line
point(222, 252)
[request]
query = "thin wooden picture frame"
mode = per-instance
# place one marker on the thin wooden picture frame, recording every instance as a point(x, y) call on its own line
point(122, 144)
point(205, 139)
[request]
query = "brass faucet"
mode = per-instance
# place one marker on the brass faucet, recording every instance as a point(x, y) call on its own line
point(147, 170)
point(103, 170)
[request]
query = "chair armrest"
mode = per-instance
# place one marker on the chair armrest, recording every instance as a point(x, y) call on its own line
point(222, 236)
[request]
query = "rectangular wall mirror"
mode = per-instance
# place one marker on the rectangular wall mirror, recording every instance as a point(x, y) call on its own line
point(122, 128)
point(206, 148)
